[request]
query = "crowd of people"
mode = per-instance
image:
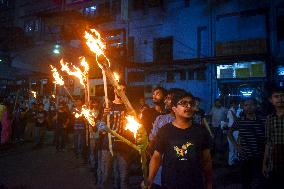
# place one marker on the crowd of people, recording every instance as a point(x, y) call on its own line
point(183, 141)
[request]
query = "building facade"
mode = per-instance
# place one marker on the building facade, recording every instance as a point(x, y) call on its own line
point(224, 48)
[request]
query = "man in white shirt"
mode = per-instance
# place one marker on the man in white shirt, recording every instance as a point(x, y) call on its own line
point(218, 114)
point(231, 116)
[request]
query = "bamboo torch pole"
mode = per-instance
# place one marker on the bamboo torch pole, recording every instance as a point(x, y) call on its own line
point(109, 74)
point(87, 102)
point(108, 116)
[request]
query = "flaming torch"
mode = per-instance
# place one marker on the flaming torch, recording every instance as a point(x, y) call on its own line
point(132, 125)
point(83, 78)
point(96, 45)
point(85, 112)
point(116, 76)
point(33, 93)
point(58, 80)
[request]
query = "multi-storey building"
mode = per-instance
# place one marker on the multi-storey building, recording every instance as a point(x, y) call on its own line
point(212, 48)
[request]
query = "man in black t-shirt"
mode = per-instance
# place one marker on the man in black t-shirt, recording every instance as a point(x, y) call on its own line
point(149, 115)
point(40, 126)
point(185, 150)
point(61, 120)
point(121, 151)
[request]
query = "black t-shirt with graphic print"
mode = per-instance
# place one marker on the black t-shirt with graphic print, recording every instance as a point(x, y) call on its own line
point(181, 150)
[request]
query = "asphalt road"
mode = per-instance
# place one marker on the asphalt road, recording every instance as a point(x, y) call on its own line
point(23, 167)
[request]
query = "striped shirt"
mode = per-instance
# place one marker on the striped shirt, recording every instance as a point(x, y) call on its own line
point(274, 135)
point(117, 124)
point(251, 137)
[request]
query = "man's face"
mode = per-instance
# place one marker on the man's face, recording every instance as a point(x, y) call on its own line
point(218, 104)
point(168, 102)
point(277, 99)
point(158, 97)
point(95, 105)
point(197, 103)
point(122, 88)
point(78, 103)
point(184, 108)
point(249, 107)
point(141, 101)
point(40, 107)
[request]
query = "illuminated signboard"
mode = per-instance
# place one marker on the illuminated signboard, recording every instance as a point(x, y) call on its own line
point(241, 70)
point(280, 70)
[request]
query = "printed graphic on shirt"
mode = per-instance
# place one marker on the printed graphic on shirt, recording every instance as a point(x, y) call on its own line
point(182, 153)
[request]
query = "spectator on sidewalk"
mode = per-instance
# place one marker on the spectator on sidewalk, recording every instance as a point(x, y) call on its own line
point(199, 116)
point(61, 120)
point(79, 132)
point(6, 129)
point(31, 123)
point(251, 144)
point(41, 124)
point(231, 116)
point(273, 161)
point(218, 115)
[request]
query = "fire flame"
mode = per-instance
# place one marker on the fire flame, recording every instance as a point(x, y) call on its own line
point(33, 93)
point(85, 112)
point(132, 125)
point(96, 44)
point(116, 76)
point(58, 80)
point(77, 72)
point(53, 96)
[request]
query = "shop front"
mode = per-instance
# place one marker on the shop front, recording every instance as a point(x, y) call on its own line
point(239, 80)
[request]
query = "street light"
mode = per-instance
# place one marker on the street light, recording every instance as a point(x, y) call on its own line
point(56, 49)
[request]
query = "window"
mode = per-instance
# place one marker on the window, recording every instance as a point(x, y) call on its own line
point(186, 3)
point(190, 74)
point(4, 3)
point(130, 48)
point(280, 70)
point(182, 74)
point(170, 76)
point(116, 7)
point(148, 89)
point(29, 26)
point(136, 77)
point(280, 28)
point(241, 70)
point(200, 74)
point(163, 50)
point(202, 41)
point(138, 4)
point(37, 25)
point(155, 3)
point(90, 11)
point(103, 9)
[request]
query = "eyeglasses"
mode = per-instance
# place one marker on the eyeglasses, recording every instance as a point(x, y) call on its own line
point(185, 103)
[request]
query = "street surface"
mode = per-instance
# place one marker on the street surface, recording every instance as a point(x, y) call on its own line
point(28, 168)
point(23, 167)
